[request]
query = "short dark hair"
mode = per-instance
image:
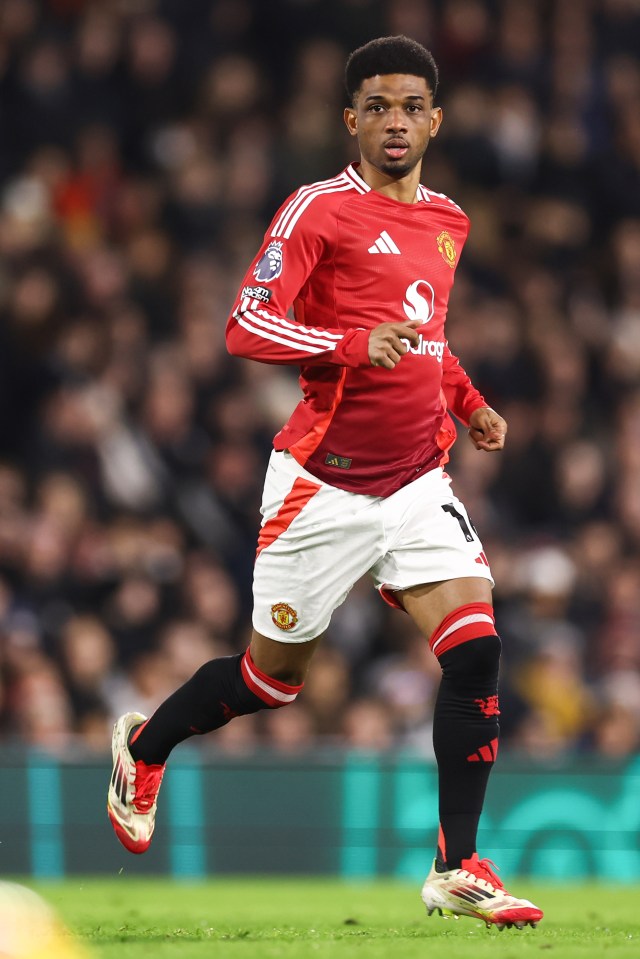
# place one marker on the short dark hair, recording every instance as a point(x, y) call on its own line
point(390, 55)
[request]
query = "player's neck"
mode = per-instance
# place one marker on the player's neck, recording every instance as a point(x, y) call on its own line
point(403, 189)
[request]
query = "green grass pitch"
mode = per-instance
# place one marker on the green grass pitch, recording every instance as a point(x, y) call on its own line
point(301, 918)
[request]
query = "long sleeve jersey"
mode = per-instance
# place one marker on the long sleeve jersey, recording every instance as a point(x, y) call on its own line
point(348, 258)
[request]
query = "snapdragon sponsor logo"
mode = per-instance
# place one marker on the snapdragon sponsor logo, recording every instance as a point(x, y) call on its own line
point(425, 347)
point(419, 301)
point(419, 304)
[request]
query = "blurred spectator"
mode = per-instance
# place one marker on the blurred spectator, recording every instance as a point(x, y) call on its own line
point(290, 731)
point(145, 147)
point(368, 725)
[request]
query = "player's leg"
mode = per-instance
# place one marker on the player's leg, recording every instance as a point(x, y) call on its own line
point(270, 674)
point(315, 542)
point(218, 692)
point(457, 615)
point(287, 662)
point(259, 678)
point(437, 571)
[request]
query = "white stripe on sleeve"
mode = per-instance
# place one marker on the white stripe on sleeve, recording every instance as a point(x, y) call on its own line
point(286, 232)
point(302, 193)
point(276, 326)
point(281, 339)
point(323, 334)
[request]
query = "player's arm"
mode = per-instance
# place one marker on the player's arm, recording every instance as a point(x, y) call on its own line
point(487, 429)
point(259, 328)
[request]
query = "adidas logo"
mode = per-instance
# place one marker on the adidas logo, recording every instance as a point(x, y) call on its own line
point(384, 244)
point(486, 754)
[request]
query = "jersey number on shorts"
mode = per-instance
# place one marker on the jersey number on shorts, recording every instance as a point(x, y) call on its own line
point(464, 526)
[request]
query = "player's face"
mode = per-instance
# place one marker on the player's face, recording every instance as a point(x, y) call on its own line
point(393, 119)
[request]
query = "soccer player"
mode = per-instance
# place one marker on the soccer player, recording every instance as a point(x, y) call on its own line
point(356, 481)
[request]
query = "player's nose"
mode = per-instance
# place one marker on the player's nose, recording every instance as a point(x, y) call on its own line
point(396, 120)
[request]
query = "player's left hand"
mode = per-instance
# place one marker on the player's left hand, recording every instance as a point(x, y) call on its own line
point(487, 430)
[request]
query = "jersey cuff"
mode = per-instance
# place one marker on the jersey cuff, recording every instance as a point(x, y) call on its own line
point(471, 405)
point(353, 349)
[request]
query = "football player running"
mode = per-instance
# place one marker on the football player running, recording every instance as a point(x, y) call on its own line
point(356, 481)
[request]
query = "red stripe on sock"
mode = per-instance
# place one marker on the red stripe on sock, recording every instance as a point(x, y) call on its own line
point(137, 732)
point(273, 692)
point(462, 633)
point(276, 683)
point(442, 844)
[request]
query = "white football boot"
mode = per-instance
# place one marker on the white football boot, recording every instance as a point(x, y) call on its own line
point(133, 790)
point(475, 890)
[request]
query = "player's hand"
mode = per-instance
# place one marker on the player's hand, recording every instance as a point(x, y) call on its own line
point(390, 341)
point(487, 430)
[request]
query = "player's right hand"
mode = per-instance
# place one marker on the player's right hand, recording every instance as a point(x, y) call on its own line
point(390, 341)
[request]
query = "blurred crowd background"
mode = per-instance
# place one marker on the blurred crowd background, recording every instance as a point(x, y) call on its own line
point(144, 147)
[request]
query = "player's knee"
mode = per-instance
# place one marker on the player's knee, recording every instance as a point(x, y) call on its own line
point(238, 687)
point(272, 691)
point(466, 642)
point(476, 660)
point(287, 673)
point(284, 662)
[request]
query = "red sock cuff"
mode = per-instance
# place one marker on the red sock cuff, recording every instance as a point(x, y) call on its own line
point(466, 622)
point(273, 692)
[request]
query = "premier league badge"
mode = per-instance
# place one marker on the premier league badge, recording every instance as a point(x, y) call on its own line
point(269, 266)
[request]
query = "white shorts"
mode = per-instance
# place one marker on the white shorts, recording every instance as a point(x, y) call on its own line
point(316, 541)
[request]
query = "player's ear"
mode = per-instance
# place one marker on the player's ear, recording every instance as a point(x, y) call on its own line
point(351, 120)
point(436, 120)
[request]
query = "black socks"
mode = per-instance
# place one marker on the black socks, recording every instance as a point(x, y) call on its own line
point(465, 739)
point(218, 691)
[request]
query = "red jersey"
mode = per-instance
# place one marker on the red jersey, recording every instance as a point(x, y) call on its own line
point(348, 258)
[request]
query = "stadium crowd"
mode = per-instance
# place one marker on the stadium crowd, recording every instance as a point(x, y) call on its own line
point(144, 146)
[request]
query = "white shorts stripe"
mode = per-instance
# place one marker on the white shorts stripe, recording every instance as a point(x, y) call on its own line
point(459, 623)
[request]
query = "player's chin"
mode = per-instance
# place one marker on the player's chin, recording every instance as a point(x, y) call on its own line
point(396, 168)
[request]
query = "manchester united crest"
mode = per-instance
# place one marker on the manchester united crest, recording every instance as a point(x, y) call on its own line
point(447, 248)
point(284, 616)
